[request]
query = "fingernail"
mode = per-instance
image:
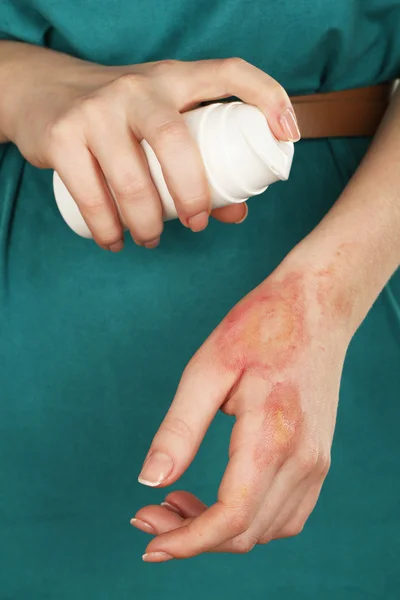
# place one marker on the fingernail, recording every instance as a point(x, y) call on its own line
point(137, 242)
point(198, 222)
point(156, 469)
point(244, 217)
point(117, 246)
point(152, 244)
point(171, 507)
point(289, 125)
point(156, 557)
point(142, 525)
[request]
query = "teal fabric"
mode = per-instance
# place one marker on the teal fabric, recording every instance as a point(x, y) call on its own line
point(93, 344)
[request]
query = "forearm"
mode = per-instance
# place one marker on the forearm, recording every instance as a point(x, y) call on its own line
point(358, 242)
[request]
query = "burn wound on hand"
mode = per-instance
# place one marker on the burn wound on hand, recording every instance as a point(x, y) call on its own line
point(266, 330)
point(282, 424)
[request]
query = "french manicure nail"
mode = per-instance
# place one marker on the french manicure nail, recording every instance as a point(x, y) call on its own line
point(198, 222)
point(156, 557)
point(171, 507)
point(289, 125)
point(142, 525)
point(156, 469)
point(117, 246)
point(152, 244)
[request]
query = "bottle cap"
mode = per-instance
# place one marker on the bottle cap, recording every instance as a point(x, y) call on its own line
point(241, 154)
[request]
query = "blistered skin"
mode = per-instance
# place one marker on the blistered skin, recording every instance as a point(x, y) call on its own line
point(266, 331)
point(282, 424)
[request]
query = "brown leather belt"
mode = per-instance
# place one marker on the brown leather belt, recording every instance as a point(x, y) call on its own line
point(347, 113)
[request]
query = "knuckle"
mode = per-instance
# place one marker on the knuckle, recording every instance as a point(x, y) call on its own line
point(106, 239)
point(90, 107)
point(275, 88)
point(131, 189)
point(171, 132)
point(106, 234)
point(178, 427)
point(60, 131)
point(93, 204)
point(291, 529)
point(194, 203)
point(243, 544)
point(237, 522)
point(271, 94)
point(234, 64)
point(198, 539)
point(276, 93)
point(307, 459)
point(265, 539)
point(150, 234)
point(162, 67)
point(131, 82)
point(325, 462)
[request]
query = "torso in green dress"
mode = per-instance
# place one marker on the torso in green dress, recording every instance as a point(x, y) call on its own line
point(92, 344)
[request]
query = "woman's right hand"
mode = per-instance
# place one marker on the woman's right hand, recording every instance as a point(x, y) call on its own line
point(86, 122)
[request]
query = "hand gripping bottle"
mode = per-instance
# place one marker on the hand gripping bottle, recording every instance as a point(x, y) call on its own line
point(241, 157)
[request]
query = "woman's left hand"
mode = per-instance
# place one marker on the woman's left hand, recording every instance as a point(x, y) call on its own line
point(275, 363)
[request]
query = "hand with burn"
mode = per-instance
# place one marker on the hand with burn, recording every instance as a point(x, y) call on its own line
point(274, 363)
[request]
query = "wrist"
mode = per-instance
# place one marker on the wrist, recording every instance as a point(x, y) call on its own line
point(355, 249)
point(18, 63)
point(326, 271)
point(345, 273)
point(28, 76)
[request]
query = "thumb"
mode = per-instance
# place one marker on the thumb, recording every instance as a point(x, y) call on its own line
point(202, 390)
point(234, 213)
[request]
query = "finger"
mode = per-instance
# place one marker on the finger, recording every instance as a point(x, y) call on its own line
point(178, 509)
point(240, 496)
point(303, 467)
point(200, 393)
point(236, 213)
point(183, 169)
point(181, 504)
point(213, 79)
point(82, 176)
point(283, 487)
point(126, 171)
point(156, 519)
point(270, 525)
point(318, 469)
point(264, 438)
point(296, 521)
point(185, 503)
point(287, 491)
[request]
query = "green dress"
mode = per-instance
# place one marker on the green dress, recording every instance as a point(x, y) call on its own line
point(92, 344)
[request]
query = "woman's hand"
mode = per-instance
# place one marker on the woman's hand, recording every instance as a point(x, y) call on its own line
point(274, 363)
point(86, 122)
